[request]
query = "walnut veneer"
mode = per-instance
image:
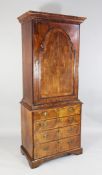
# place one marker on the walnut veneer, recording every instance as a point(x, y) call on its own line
point(50, 109)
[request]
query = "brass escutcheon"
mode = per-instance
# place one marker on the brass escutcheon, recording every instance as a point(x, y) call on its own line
point(71, 109)
point(45, 113)
point(45, 135)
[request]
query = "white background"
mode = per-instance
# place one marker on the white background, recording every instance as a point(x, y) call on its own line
point(90, 87)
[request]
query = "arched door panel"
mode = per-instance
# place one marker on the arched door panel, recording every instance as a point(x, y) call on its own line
point(54, 64)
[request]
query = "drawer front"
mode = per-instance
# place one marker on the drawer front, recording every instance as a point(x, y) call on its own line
point(46, 136)
point(69, 131)
point(51, 148)
point(57, 112)
point(70, 120)
point(69, 110)
point(55, 134)
point(45, 124)
point(45, 114)
point(55, 123)
point(69, 143)
point(46, 149)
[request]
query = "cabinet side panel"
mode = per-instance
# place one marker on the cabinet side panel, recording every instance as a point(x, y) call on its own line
point(26, 130)
point(27, 61)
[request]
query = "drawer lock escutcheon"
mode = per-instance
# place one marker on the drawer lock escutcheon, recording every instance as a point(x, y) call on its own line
point(71, 109)
point(45, 113)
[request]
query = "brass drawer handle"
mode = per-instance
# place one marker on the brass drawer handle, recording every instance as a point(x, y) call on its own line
point(71, 109)
point(45, 135)
point(42, 124)
point(42, 46)
point(45, 113)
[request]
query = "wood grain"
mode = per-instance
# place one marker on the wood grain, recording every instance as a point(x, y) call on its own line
point(33, 15)
point(51, 148)
point(56, 134)
point(57, 64)
point(27, 130)
point(50, 108)
point(45, 114)
point(27, 62)
point(56, 123)
point(68, 110)
point(69, 143)
point(55, 61)
point(46, 149)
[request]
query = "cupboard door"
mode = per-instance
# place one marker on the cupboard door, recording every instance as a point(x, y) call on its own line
point(54, 62)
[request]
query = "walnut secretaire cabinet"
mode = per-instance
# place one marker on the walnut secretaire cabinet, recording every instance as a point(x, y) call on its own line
point(50, 109)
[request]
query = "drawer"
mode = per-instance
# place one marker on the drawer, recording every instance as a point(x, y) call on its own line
point(69, 143)
point(45, 124)
point(55, 134)
point(69, 131)
point(57, 112)
point(69, 110)
point(55, 123)
point(46, 136)
point(45, 149)
point(45, 114)
point(70, 120)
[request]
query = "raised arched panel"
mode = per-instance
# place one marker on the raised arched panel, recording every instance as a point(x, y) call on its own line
point(57, 64)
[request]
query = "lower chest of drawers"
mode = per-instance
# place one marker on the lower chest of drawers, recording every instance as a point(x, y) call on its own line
point(53, 131)
point(56, 131)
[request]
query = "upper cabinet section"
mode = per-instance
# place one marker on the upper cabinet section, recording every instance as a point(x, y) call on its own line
point(50, 57)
